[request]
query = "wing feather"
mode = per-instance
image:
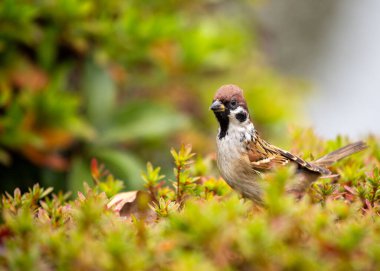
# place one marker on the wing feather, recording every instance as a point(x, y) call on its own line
point(264, 156)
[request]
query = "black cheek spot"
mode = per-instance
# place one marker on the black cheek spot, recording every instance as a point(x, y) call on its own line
point(241, 116)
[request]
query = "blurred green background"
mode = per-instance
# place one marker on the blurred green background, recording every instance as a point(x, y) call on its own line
point(123, 81)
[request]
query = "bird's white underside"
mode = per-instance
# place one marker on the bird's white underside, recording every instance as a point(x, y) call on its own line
point(233, 162)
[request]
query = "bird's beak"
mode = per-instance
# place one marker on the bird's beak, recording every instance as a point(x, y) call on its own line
point(217, 106)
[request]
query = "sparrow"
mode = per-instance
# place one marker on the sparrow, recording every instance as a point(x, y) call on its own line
point(242, 155)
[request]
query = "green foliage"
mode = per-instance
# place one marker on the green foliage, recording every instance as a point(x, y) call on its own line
point(334, 227)
point(112, 79)
point(184, 182)
point(152, 176)
point(84, 79)
point(105, 182)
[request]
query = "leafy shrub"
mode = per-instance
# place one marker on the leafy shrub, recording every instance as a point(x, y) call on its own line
point(83, 79)
point(196, 221)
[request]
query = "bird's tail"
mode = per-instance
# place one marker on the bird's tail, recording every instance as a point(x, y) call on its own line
point(345, 151)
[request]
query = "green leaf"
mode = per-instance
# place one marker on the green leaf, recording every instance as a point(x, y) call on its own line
point(152, 175)
point(79, 173)
point(124, 165)
point(99, 94)
point(143, 120)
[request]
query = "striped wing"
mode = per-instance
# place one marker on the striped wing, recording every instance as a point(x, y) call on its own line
point(264, 156)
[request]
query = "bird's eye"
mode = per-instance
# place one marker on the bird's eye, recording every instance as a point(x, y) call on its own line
point(233, 103)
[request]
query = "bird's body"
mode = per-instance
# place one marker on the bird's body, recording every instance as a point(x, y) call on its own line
point(233, 164)
point(242, 155)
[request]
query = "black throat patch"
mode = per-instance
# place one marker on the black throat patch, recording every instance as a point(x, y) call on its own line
point(223, 120)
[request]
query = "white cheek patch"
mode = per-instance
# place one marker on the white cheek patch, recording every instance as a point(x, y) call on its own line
point(239, 115)
point(237, 110)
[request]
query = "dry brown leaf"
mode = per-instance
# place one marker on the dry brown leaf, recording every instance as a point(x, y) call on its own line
point(117, 202)
point(133, 203)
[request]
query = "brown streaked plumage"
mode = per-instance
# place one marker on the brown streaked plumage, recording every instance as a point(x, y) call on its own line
point(243, 155)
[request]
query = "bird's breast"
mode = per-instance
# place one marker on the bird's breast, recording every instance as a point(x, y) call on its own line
point(233, 161)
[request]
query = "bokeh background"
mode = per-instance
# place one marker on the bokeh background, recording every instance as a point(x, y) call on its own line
point(124, 81)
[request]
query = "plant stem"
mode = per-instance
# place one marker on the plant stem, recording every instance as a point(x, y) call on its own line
point(178, 184)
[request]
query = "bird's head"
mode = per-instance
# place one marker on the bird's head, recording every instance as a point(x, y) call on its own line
point(229, 105)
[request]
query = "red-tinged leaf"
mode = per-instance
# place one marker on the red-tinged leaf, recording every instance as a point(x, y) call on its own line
point(5, 233)
point(51, 160)
point(349, 196)
point(30, 77)
point(95, 173)
point(55, 139)
point(81, 196)
point(349, 189)
point(43, 216)
point(368, 204)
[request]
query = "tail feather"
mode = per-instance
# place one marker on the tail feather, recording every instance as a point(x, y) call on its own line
point(335, 156)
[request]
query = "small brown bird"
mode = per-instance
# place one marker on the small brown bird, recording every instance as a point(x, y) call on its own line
point(242, 155)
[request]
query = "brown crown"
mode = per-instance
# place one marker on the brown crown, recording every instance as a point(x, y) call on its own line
point(227, 92)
